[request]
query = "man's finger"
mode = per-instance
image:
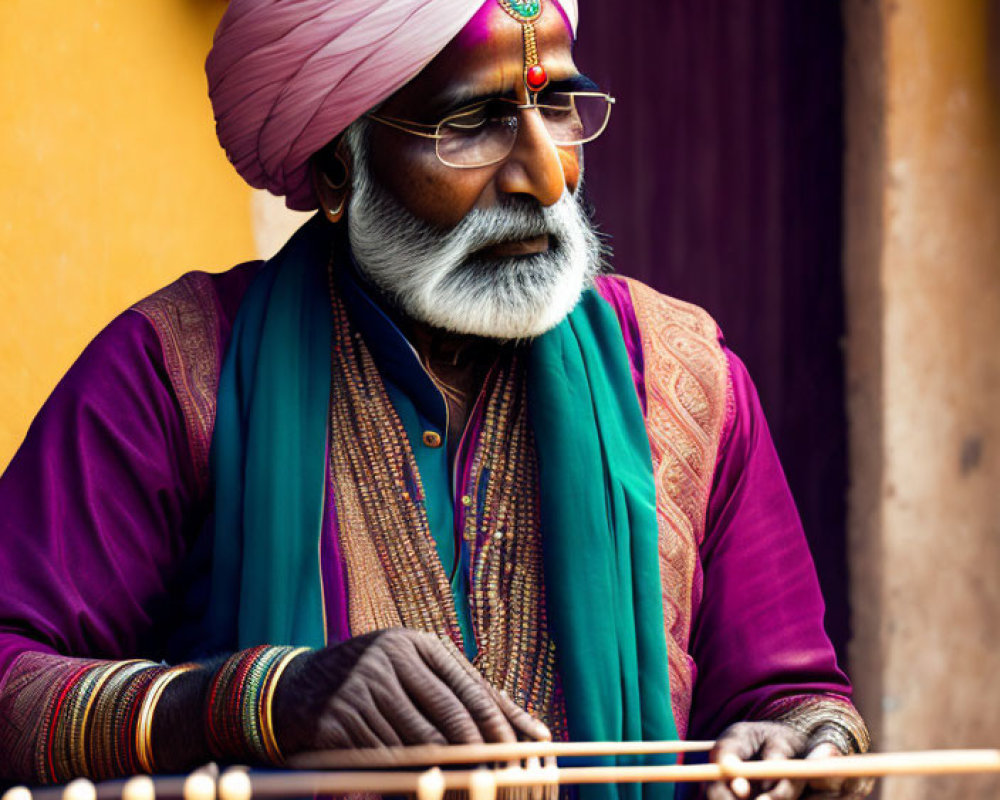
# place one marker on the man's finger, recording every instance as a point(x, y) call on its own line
point(375, 715)
point(480, 700)
point(777, 748)
point(857, 788)
point(781, 748)
point(720, 790)
point(345, 728)
point(790, 744)
point(734, 744)
point(852, 789)
point(354, 723)
point(733, 747)
point(386, 697)
point(424, 690)
point(739, 787)
point(784, 789)
point(526, 726)
point(442, 703)
point(832, 786)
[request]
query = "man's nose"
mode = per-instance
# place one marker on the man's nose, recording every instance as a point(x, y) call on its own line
point(533, 166)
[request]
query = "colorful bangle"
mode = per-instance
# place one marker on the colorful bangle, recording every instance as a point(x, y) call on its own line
point(112, 730)
point(238, 721)
point(144, 726)
point(92, 721)
point(267, 706)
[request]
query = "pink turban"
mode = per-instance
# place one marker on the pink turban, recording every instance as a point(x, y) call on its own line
point(286, 76)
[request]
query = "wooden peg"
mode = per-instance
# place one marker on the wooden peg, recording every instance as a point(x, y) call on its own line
point(482, 785)
point(141, 787)
point(536, 776)
point(198, 786)
point(17, 793)
point(430, 785)
point(80, 789)
point(235, 785)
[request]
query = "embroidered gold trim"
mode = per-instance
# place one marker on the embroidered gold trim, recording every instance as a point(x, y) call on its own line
point(686, 379)
point(822, 718)
point(186, 322)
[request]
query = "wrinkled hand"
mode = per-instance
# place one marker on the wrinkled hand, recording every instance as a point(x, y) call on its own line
point(392, 687)
point(767, 740)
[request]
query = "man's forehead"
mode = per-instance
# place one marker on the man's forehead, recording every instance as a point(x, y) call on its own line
point(491, 18)
point(487, 57)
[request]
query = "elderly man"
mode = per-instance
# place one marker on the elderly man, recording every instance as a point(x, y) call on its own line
point(426, 476)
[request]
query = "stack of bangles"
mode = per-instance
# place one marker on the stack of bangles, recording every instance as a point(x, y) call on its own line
point(144, 726)
point(97, 720)
point(239, 706)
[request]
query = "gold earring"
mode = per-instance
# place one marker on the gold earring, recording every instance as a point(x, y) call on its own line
point(336, 214)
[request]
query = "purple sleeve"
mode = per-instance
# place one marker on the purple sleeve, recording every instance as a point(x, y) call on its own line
point(95, 506)
point(758, 635)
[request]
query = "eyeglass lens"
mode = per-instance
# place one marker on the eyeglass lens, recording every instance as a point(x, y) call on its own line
point(486, 133)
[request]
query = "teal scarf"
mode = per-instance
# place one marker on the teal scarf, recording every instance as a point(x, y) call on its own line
point(269, 454)
point(599, 536)
point(599, 525)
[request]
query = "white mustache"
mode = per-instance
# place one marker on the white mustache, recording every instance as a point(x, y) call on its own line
point(509, 222)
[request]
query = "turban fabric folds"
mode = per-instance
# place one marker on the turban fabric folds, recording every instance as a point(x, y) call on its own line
point(287, 76)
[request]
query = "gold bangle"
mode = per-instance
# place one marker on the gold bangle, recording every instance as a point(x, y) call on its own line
point(267, 701)
point(144, 729)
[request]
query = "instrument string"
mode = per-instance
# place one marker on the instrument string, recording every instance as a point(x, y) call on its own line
point(531, 778)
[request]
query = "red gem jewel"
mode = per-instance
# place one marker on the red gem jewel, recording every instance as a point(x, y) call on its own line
point(536, 78)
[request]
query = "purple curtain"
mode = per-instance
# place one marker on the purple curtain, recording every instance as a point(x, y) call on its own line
point(720, 182)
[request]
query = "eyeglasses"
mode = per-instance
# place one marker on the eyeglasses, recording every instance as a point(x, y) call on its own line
point(484, 134)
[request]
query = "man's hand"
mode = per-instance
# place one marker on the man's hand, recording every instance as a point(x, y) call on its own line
point(388, 688)
point(747, 741)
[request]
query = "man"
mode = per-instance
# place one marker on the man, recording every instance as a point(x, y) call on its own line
point(426, 476)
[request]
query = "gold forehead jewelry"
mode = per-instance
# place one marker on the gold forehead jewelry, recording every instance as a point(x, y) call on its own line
point(526, 12)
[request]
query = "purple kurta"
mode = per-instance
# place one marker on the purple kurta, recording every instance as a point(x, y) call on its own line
point(102, 504)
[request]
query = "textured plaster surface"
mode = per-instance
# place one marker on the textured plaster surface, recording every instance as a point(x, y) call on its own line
point(114, 184)
point(273, 222)
point(863, 219)
point(926, 553)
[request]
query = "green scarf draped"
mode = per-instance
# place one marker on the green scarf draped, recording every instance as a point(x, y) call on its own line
point(269, 455)
point(599, 527)
point(599, 537)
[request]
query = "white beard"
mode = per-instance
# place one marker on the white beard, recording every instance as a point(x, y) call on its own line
point(438, 278)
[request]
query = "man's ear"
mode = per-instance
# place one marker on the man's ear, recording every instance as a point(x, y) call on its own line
point(331, 178)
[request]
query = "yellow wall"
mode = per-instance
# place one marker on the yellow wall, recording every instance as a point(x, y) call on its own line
point(113, 182)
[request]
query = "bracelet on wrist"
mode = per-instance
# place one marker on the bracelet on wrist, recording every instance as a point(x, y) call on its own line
point(144, 725)
point(238, 714)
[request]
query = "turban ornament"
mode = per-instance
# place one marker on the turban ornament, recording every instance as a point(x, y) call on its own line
point(287, 77)
point(526, 12)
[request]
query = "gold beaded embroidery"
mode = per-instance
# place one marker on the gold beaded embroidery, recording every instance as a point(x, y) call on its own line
point(394, 574)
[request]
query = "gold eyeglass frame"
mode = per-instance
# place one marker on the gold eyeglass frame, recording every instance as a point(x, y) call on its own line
point(432, 131)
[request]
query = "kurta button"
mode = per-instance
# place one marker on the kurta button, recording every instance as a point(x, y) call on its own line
point(432, 438)
point(466, 500)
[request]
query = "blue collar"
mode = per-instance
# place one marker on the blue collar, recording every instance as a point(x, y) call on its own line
point(395, 357)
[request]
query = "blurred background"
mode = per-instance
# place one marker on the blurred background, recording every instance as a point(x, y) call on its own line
point(823, 177)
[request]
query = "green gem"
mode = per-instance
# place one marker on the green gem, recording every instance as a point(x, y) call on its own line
point(526, 8)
